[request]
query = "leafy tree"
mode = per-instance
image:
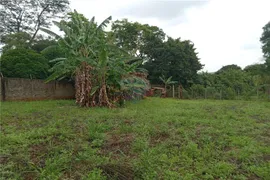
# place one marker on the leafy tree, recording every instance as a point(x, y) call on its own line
point(29, 15)
point(24, 63)
point(102, 72)
point(255, 69)
point(53, 52)
point(175, 58)
point(22, 39)
point(260, 77)
point(206, 79)
point(137, 39)
point(229, 67)
point(49, 48)
point(265, 39)
point(16, 40)
point(166, 82)
point(41, 43)
point(239, 81)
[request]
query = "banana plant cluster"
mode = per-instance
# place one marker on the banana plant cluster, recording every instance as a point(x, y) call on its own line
point(104, 74)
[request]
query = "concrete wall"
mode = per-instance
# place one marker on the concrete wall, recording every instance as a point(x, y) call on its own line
point(34, 89)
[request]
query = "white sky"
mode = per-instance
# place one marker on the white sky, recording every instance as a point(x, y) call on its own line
point(223, 31)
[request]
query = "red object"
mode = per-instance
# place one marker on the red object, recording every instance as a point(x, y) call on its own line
point(150, 93)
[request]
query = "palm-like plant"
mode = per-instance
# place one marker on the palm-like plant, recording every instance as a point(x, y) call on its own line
point(166, 82)
point(99, 67)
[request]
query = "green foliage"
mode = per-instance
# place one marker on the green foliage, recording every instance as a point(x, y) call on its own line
point(24, 63)
point(137, 39)
point(111, 69)
point(41, 43)
point(167, 81)
point(16, 40)
point(154, 138)
point(174, 58)
point(53, 52)
point(228, 67)
point(236, 79)
point(230, 82)
point(265, 39)
point(256, 69)
point(95, 174)
point(197, 91)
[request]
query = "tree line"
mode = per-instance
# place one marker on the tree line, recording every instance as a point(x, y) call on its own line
point(121, 60)
point(232, 82)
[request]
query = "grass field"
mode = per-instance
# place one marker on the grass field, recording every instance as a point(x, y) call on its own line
point(150, 139)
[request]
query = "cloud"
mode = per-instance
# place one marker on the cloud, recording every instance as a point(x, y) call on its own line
point(162, 10)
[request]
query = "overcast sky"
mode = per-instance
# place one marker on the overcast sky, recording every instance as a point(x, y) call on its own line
point(223, 31)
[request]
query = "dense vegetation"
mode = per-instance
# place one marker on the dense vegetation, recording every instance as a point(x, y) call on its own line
point(150, 139)
point(24, 63)
point(231, 82)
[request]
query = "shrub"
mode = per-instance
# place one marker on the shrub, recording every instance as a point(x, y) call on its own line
point(24, 63)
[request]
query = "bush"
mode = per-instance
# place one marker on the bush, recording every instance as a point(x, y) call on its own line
point(24, 63)
point(186, 94)
point(53, 52)
point(197, 91)
point(228, 93)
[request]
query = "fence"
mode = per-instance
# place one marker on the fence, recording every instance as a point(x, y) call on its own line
point(34, 89)
point(200, 92)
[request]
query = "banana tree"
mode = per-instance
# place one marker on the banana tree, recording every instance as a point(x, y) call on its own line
point(166, 82)
point(98, 66)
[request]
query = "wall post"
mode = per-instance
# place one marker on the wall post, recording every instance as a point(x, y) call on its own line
point(3, 87)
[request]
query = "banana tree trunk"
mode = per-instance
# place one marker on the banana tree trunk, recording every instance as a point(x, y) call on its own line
point(103, 96)
point(83, 85)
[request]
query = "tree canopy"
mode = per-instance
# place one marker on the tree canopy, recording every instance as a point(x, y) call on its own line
point(229, 67)
point(103, 72)
point(28, 15)
point(174, 58)
point(137, 39)
point(24, 63)
point(171, 57)
point(265, 39)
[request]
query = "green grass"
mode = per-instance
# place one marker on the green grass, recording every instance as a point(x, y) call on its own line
point(150, 139)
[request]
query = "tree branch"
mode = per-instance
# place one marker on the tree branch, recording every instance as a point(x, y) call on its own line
point(38, 23)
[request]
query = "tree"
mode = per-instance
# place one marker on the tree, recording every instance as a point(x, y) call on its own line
point(22, 39)
point(137, 39)
point(265, 39)
point(29, 15)
point(255, 69)
point(24, 63)
point(102, 72)
point(41, 43)
point(239, 81)
point(53, 52)
point(206, 79)
point(229, 67)
point(166, 82)
point(16, 40)
point(174, 58)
